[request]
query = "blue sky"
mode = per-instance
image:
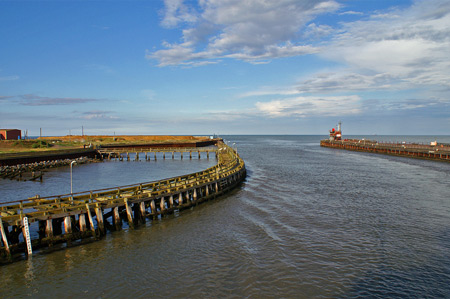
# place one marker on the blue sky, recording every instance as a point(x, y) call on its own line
point(225, 66)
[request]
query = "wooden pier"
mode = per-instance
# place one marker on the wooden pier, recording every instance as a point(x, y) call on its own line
point(437, 152)
point(38, 222)
point(121, 153)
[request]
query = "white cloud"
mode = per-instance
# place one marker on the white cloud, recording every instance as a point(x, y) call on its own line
point(411, 45)
point(339, 81)
point(401, 49)
point(272, 52)
point(314, 31)
point(348, 81)
point(177, 12)
point(9, 78)
point(266, 91)
point(180, 55)
point(98, 114)
point(251, 30)
point(311, 106)
point(398, 50)
point(351, 12)
point(35, 100)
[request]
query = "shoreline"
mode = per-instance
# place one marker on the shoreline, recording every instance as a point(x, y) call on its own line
point(33, 171)
point(71, 147)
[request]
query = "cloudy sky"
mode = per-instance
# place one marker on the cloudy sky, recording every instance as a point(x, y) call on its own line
point(225, 66)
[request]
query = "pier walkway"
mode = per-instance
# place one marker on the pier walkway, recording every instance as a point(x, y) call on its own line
point(124, 153)
point(438, 152)
point(30, 224)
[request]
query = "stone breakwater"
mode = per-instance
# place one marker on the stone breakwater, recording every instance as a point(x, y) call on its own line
point(433, 151)
point(32, 171)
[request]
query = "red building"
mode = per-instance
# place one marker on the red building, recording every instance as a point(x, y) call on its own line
point(10, 134)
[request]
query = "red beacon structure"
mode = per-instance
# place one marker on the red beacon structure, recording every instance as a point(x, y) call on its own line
point(336, 134)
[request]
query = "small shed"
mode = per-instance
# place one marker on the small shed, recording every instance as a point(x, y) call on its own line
point(10, 134)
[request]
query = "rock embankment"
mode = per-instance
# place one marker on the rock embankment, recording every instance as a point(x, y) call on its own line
point(32, 171)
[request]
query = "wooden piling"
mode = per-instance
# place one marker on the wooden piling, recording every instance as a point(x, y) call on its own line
point(116, 218)
point(129, 214)
point(171, 201)
point(142, 211)
point(162, 205)
point(5, 239)
point(180, 199)
point(91, 221)
point(82, 222)
point(68, 225)
point(49, 228)
point(99, 215)
point(153, 208)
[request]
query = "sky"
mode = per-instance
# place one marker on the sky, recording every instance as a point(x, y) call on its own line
point(225, 67)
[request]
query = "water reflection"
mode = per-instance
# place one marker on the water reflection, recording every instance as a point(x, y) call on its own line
point(68, 260)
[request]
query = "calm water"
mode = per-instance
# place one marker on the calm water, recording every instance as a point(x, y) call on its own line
point(105, 175)
point(308, 222)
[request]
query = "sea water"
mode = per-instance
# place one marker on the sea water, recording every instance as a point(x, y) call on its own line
point(308, 222)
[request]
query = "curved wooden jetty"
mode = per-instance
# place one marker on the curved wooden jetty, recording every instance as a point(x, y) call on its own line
point(438, 152)
point(72, 217)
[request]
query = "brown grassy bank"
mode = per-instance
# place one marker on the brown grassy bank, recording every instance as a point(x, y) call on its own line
point(73, 142)
point(126, 138)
